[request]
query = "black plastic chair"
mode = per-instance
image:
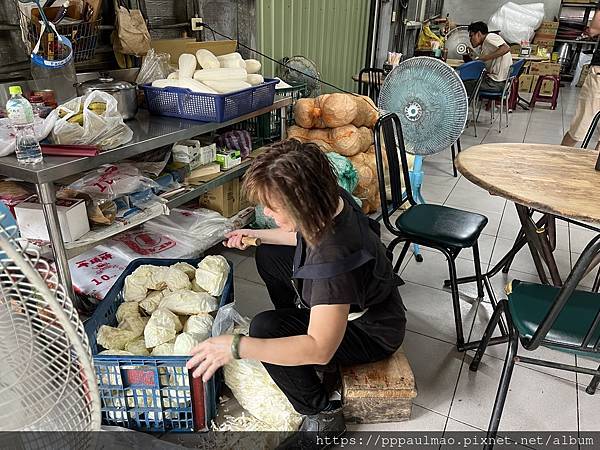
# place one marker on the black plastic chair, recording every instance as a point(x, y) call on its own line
point(447, 230)
point(540, 315)
point(372, 85)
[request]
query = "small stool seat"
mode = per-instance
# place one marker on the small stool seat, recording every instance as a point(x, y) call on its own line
point(538, 97)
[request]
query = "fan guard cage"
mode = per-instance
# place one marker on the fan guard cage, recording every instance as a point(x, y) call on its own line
point(458, 42)
point(294, 70)
point(47, 382)
point(431, 101)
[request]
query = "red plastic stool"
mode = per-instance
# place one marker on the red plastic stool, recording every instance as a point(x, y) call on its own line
point(537, 97)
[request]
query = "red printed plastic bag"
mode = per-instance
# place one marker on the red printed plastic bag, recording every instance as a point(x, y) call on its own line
point(95, 271)
point(143, 243)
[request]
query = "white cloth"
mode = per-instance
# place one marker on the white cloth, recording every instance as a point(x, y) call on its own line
point(498, 68)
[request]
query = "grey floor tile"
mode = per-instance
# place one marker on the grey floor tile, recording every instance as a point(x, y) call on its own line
point(589, 405)
point(535, 401)
point(422, 419)
point(486, 245)
point(523, 261)
point(433, 270)
point(510, 227)
point(580, 237)
point(247, 271)
point(251, 298)
point(588, 281)
point(476, 199)
point(436, 366)
point(430, 312)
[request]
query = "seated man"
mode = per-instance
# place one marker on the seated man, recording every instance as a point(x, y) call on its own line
point(495, 53)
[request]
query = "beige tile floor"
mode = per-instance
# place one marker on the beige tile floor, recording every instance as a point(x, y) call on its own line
point(451, 398)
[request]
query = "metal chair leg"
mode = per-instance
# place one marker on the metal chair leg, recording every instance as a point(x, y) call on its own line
point(507, 370)
point(460, 339)
point(477, 261)
point(596, 285)
point(501, 113)
point(591, 389)
point(401, 257)
point(454, 172)
point(487, 334)
point(506, 110)
point(474, 118)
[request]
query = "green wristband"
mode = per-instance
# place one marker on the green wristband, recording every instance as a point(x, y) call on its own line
point(235, 346)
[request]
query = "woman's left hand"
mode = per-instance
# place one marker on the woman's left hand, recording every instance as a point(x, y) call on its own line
point(209, 356)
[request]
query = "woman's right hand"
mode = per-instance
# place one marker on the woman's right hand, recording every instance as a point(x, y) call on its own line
point(234, 239)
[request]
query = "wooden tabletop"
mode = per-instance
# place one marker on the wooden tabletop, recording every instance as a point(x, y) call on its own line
point(550, 178)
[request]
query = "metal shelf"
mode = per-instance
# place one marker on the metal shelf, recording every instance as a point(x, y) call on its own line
point(580, 5)
point(573, 41)
point(149, 132)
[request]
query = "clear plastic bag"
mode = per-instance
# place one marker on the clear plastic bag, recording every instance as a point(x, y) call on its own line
point(105, 129)
point(227, 319)
point(42, 128)
point(517, 22)
point(112, 181)
point(201, 227)
point(154, 67)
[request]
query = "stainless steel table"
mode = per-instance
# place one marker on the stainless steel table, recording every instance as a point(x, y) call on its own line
point(149, 132)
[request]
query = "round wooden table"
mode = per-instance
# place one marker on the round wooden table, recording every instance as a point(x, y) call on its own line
point(552, 179)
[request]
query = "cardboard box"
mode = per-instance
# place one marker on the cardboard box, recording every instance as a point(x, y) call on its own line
point(244, 202)
point(545, 35)
point(223, 199)
point(72, 216)
point(525, 83)
point(177, 47)
point(544, 68)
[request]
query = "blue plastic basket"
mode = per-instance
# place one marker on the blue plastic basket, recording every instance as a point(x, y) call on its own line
point(186, 104)
point(145, 393)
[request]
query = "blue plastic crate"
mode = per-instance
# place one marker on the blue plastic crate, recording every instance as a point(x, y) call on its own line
point(146, 393)
point(186, 104)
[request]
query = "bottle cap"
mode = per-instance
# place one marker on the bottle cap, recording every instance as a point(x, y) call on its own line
point(15, 90)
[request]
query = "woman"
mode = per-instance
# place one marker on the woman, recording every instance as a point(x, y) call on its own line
point(328, 276)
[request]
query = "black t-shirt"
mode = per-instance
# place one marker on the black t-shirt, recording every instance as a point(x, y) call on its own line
point(384, 318)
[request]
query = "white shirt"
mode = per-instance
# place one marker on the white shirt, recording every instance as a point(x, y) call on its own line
point(498, 68)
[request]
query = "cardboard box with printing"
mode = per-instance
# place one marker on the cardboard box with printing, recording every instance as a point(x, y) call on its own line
point(544, 68)
point(224, 199)
point(545, 35)
point(525, 83)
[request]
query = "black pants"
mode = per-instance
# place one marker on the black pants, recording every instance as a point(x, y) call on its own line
point(301, 384)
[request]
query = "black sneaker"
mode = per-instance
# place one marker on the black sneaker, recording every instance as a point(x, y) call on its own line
point(317, 432)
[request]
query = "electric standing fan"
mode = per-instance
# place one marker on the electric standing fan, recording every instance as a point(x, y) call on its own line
point(458, 42)
point(294, 70)
point(47, 381)
point(431, 101)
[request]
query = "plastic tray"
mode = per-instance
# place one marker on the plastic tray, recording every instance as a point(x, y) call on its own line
point(185, 104)
point(145, 393)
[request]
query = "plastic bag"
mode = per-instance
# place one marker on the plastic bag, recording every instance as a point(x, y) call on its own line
point(154, 67)
point(517, 22)
point(42, 128)
point(251, 384)
point(107, 129)
point(199, 228)
point(112, 181)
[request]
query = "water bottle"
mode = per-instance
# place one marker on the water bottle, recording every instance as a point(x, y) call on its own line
point(20, 113)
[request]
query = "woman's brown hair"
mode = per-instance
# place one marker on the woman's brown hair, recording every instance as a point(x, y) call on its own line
point(299, 178)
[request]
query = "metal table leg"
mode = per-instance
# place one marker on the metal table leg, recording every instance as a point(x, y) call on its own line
point(47, 197)
point(540, 244)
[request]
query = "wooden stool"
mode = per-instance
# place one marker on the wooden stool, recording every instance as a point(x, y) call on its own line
point(553, 98)
point(379, 392)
